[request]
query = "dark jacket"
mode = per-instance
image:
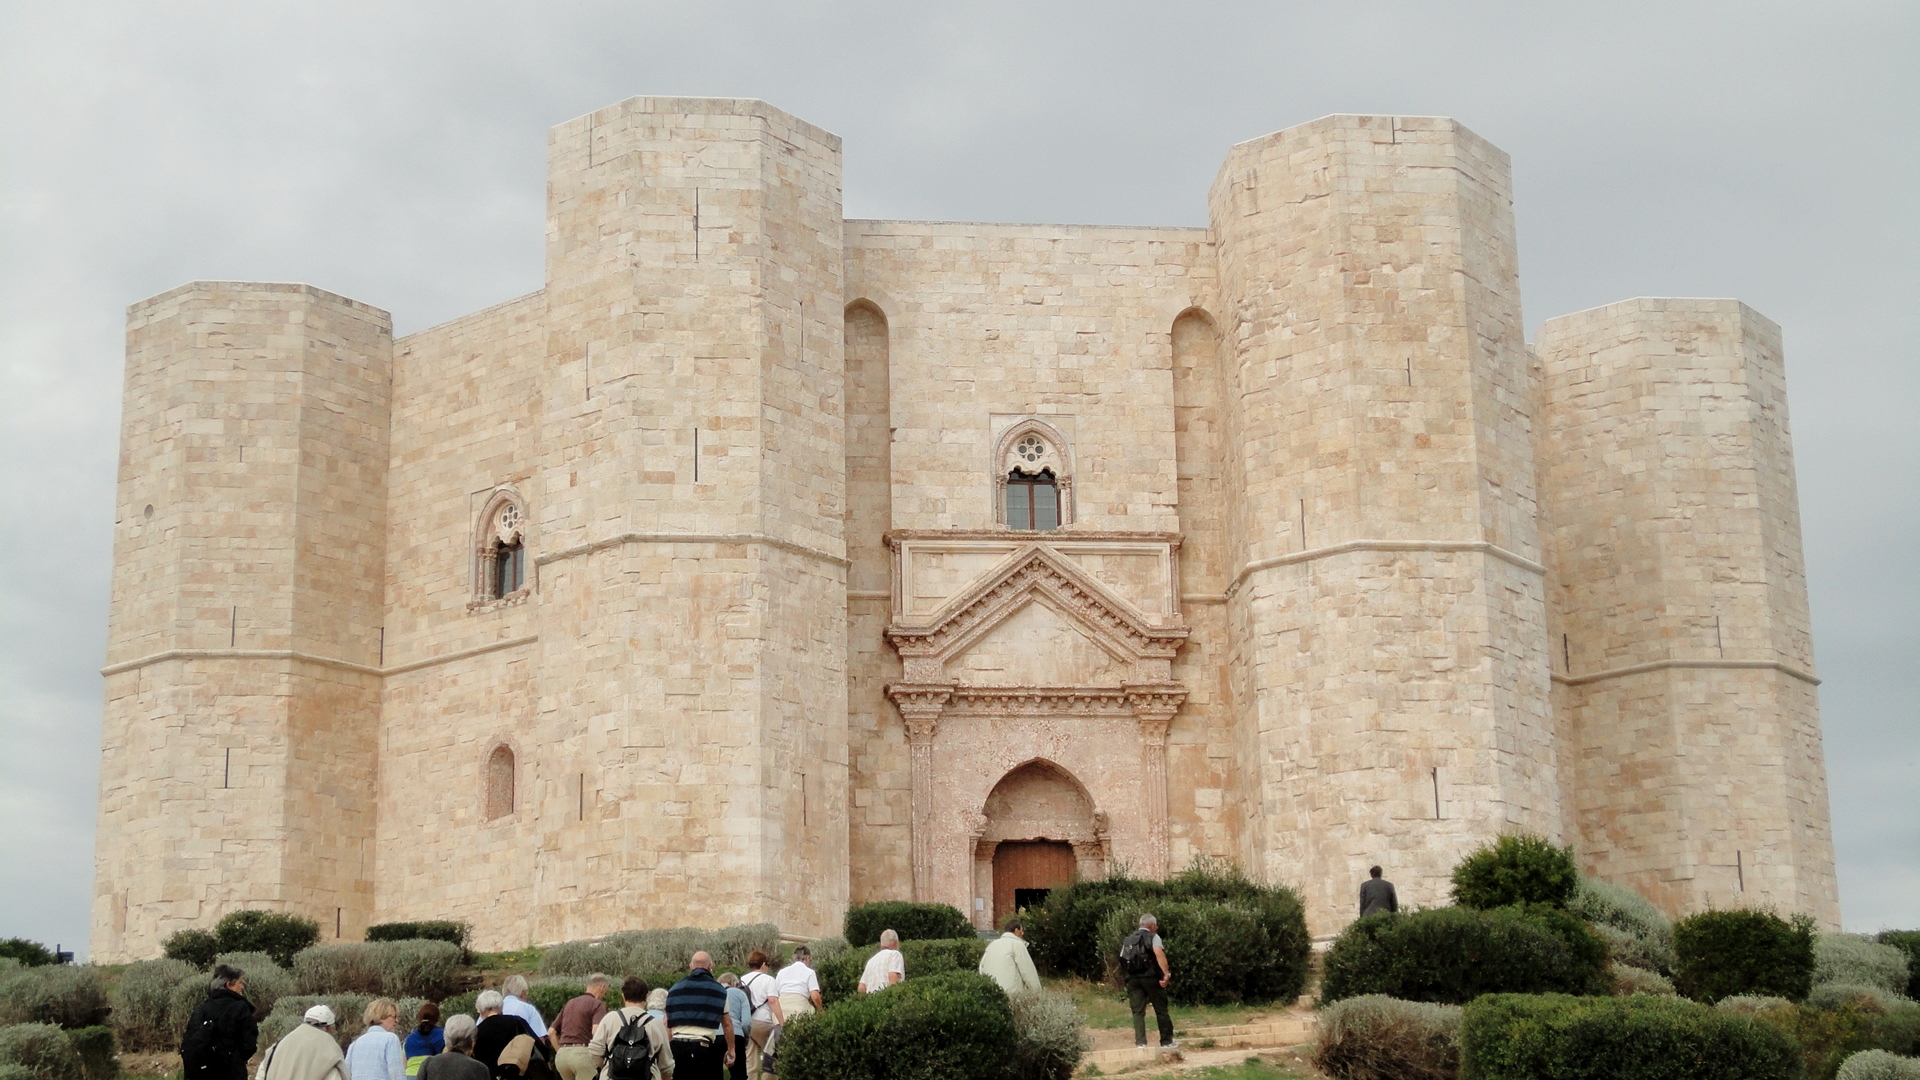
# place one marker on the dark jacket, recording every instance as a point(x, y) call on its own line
point(492, 1036)
point(1376, 894)
point(221, 1035)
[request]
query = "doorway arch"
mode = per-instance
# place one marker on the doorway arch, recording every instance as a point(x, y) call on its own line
point(1040, 831)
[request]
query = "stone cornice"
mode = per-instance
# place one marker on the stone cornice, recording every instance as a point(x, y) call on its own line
point(310, 658)
point(761, 539)
point(924, 702)
point(1667, 665)
point(1067, 534)
point(1484, 547)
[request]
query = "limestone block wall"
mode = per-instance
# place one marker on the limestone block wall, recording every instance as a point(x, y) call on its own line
point(1387, 610)
point(242, 691)
point(1680, 604)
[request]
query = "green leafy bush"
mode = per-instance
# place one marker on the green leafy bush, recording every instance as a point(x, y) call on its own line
point(1453, 955)
point(840, 976)
point(910, 920)
point(637, 951)
point(267, 982)
point(144, 1017)
point(1859, 959)
point(1721, 953)
point(431, 930)
point(955, 1026)
point(1907, 941)
point(1073, 931)
point(279, 934)
point(1634, 980)
point(1864, 995)
point(1828, 1036)
point(1637, 933)
point(10, 1071)
point(29, 953)
point(1516, 869)
point(1381, 1038)
point(1049, 1039)
point(1207, 947)
point(1879, 1065)
point(196, 947)
point(99, 1054)
point(41, 1049)
point(68, 997)
point(1642, 1037)
point(408, 968)
point(548, 995)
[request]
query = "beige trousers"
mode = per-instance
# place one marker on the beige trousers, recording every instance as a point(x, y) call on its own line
point(757, 1044)
point(574, 1063)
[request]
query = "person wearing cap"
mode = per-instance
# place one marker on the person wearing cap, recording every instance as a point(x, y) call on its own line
point(308, 1052)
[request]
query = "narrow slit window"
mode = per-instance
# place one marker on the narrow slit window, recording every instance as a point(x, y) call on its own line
point(1033, 502)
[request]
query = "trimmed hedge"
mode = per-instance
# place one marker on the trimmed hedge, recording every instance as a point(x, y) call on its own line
point(29, 953)
point(196, 947)
point(99, 1053)
point(430, 930)
point(1859, 959)
point(840, 976)
point(1642, 1037)
point(1516, 869)
point(409, 968)
point(1638, 934)
point(1382, 1038)
point(956, 1026)
point(1453, 955)
point(1907, 941)
point(43, 1050)
point(639, 951)
point(1207, 948)
point(913, 922)
point(1068, 933)
point(143, 1012)
point(1723, 953)
point(1879, 1065)
point(279, 934)
point(68, 997)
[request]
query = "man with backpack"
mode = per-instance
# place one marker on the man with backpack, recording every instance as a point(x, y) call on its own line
point(222, 1033)
point(630, 1044)
point(1143, 959)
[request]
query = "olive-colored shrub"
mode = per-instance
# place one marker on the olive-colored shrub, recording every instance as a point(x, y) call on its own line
point(1381, 1038)
point(637, 951)
point(28, 953)
point(43, 1050)
point(196, 947)
point(1516, 869)
point(1757, 953)
point(550, 994)
point(144, 1016)
point(279, 934)
point(1641, 1037)
point(1859, 959)
point(840, 976)
point(1828, 1036)
point(955, 1026)
point(347, 1009)
point(430, 930)
point(1879, 1065)
point(1907, 941)
point(408, 968)
point(267, 982)
point(99, 1052)
point(1836, 995)
point(1049, 1036)
point(1637, 933)
point(69, 997)
point(1634, 980)
point(913, 922)
point(1453, 955)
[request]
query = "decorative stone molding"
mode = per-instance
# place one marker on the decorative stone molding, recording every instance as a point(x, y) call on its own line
point(1015, 449)
point(920, 707)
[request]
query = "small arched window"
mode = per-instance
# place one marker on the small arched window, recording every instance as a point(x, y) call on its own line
point(499, 792)
point(502, 550)
point(1033, 485)
point(1033, 502)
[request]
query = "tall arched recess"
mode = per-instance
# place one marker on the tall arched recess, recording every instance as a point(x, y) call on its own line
point(881, 841)
point(1199, 441)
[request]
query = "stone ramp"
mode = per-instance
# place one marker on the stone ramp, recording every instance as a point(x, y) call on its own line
point(1272, 1033)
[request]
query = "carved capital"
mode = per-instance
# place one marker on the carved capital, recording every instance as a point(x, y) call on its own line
point(1154, 705)
point(920, 705)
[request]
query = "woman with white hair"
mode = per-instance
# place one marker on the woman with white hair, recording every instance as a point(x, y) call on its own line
point(376, 1054)
point(496, 1032)
point(456, 1062)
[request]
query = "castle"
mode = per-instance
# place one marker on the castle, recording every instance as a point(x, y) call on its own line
point(766, 561)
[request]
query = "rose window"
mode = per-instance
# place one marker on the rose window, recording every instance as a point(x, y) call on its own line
point(1030, 448)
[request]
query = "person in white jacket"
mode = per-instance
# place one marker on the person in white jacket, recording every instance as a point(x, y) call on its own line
point(308, 1052)
point(1007, 961)
point(377, 1055)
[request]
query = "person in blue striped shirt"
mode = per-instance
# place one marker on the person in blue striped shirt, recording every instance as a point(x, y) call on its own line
point(698, 1026)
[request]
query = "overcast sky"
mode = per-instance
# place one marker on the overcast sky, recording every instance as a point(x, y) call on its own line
point(395, 153)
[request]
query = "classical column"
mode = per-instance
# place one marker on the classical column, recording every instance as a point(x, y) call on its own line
point(920, 708)
point(1153, 707)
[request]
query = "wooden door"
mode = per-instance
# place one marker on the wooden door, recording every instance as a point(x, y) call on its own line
point(1028, 867)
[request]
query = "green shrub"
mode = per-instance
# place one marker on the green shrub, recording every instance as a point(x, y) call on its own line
point(1638, 934)
point(840, 976)
point(910, 920)
point(41, 1049)
point(408, 968)
point(1453, 955)
point(1857, 958)
point(1207, 947)
point(1826, 1037)
point(639, 951)
point(1865, 995)
point(463, 1003)
point(1642, 1037)
point(9, 1071)
point(1049, 1039)
point(1907, 941)
point(29, 953)
point(144, 1017)
point(548, 995)
point(69, 997)
point(1748, 1005)
point(347, 1010)
point(430, 930)
point(1634, 980)
point(279, 934)
point(1626, 949)
point(1879, 1065)
point(99, 1055)
point(1382, 1038)
point(1721, 953)
point(267, 982)
point(196, 947)
point(1516, 869)
point(955, 1026)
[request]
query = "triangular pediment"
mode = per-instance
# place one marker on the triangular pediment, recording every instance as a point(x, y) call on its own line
point(1036, 645)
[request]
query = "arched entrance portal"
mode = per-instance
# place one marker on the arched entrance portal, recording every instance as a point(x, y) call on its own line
point(1041, 831)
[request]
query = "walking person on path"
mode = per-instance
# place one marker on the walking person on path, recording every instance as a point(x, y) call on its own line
point(426, 1039)
point(697, 1023)
point(764, 1001)
point(885, 967)
point(1376, 894)
point(308, 1052)
point(573, 1029)
point(1143, 957)
point(631, 1043)
point(741, 1014)
point(222, 1033)
point(515, 1003)
point(798, 986)
point(496, 1032)
point(456, 1062)
point(1008, 962)
point(376, 1054)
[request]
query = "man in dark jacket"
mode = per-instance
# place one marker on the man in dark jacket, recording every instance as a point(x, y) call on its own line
point(1376, 894)
point(699, 1028)
point(223, 1032)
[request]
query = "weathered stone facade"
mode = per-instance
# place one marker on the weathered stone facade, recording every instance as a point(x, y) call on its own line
point(694, 588)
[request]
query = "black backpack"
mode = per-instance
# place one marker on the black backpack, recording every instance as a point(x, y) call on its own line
point(202, 1051)
point(631, 1055)
point(1136, 956)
